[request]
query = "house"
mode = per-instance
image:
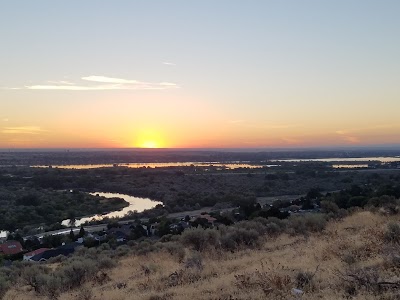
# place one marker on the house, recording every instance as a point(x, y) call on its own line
point(121, 234)
point(210, 219)
point(51, 253)
point(97, 237)
point(11, 248)
point(179, 227)
point(152, 229)
point(29, 255)
point(206, 218)
point(64, 250)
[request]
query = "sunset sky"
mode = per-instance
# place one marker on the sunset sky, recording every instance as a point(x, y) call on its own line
point(209, 73)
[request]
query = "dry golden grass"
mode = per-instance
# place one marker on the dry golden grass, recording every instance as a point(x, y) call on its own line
point(266, 273)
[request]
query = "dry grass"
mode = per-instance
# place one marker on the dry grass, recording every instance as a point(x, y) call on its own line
point(323, 266)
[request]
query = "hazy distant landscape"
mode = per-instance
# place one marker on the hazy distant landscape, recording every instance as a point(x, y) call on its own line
point(124, 156)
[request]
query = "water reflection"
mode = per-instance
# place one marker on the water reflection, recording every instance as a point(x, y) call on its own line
point(135, 203)
point(347, 159)
point(349, 166)
point(164, 165)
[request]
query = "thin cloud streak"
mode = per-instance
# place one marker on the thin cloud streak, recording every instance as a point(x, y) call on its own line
point(352, 135)
point(104, 79)
point(60, 82)
point(107, 83)
point(23, 130)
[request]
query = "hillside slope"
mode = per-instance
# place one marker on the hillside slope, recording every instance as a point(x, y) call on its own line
point(354, 258)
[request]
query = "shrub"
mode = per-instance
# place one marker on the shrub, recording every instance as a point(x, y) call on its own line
point(234, 238)
point(4, 285)
point(144, 247)
point(33, 276)
point(122, 250)
point(166, 238)
point(273, 229)
point(175, 249)
point(50, 286)
point(106, 262)
point(199, 239)
point(195, 261)
point(75, 273)
point(305, 280)
point(57, 259)
point(259, 227)
point(307, 223)
point(329, 207)
point(392, 234)
point(85, 294)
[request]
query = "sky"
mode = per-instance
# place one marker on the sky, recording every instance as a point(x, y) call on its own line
point(199, 74)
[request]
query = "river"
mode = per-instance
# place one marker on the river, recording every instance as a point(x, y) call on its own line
point(135, 203)
point(229, 165)
point(346, 159)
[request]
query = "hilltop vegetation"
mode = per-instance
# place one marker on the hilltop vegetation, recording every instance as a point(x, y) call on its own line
point(351, 258)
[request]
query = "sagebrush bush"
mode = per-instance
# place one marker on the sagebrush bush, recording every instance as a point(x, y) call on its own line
point(392, 234)
point(32, 275)
point(307, 223)
point(144, 247)
point(105, 262)
point(76, 272)
point(257, 226)
point(305, 280)
point(244, 237)
point(50, 286)
point(4, 286)
point(175, 249)
point(199, 239)
point(195, 260)
point(122, 250)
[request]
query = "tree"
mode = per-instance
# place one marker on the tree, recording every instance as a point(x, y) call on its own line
point(314, 193)
point(72, 235)
point(72, 218)
point(81, 232)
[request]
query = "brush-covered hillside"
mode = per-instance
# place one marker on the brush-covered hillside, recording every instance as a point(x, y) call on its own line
point(354, 257)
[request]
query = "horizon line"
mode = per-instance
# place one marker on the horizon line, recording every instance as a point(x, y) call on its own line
point(245, 149)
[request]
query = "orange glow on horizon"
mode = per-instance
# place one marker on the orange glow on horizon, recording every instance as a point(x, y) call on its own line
point(149, 139)
point(149, 144)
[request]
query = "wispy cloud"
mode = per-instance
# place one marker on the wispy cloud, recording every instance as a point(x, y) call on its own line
point(348, 136)
point(250, 124)
point(23, 130)
point(168, 63)
point(72, 87)
point(352, 139)
point(104, 79)
point(60, 82)
point(353, 135)
point(5, 120)
point(102, 83)
point(290, 140)
point(236, 121)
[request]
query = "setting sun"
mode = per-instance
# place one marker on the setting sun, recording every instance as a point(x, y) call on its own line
point(149, 138)
point(149, 144)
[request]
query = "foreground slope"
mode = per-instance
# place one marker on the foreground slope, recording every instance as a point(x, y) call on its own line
point(354, 258)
